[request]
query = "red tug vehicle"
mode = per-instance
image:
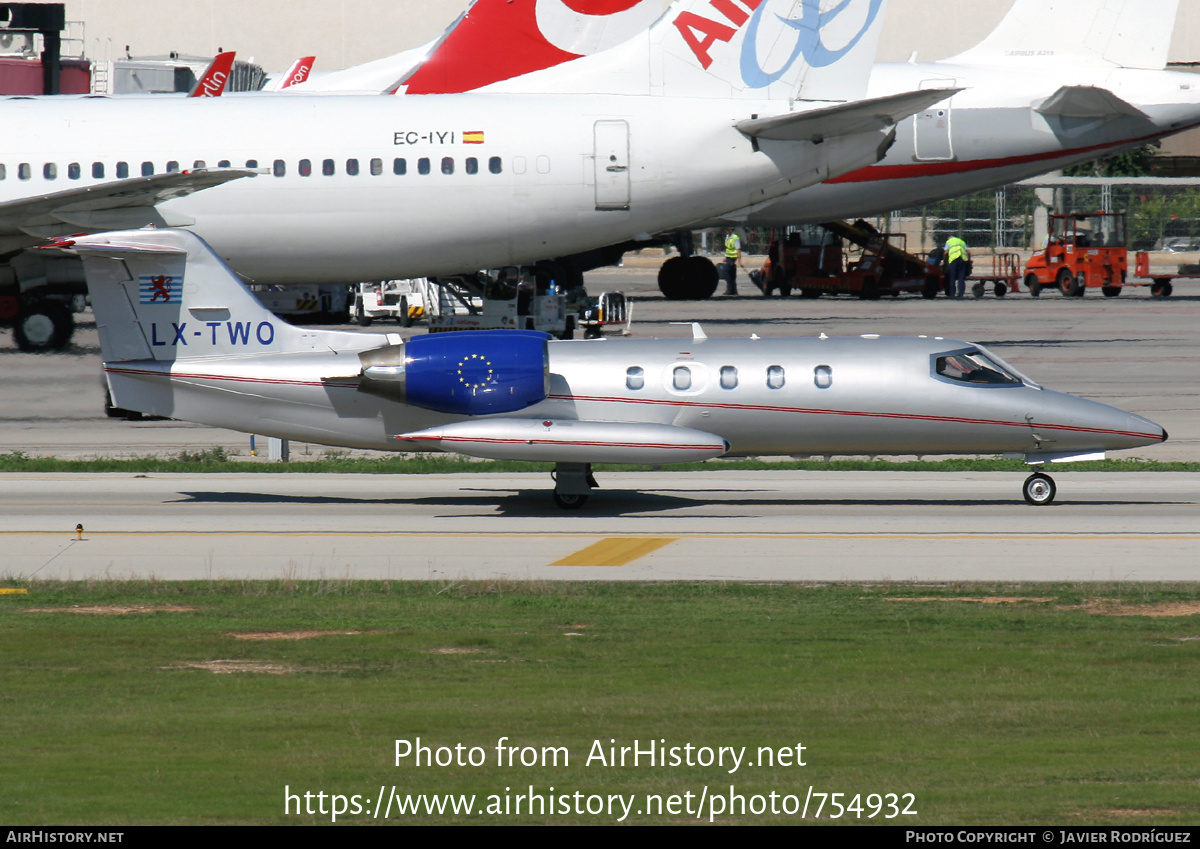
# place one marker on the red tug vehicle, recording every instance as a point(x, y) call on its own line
point(1086, 250)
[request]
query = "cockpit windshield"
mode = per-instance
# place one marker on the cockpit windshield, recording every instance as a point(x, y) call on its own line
point(973, 366)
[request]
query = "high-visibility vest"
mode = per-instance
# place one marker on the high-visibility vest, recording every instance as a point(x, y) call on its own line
point(956, 248)
point(733, 246)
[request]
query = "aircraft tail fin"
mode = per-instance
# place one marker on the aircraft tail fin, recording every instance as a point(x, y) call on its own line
point(1120, 33)
point(165, 295)
point(732, 49)
point(294, 75)
point(523, 36)
point(212, 82)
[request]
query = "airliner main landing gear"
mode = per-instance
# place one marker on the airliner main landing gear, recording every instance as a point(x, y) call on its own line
point(1039, 489)
point(573, 483)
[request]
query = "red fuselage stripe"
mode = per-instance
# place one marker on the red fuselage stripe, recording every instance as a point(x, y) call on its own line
point(758, 408)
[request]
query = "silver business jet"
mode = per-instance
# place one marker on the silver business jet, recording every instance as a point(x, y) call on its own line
point(183, 338)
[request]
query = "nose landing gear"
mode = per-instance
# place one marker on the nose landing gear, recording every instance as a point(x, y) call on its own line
point(1039, 489)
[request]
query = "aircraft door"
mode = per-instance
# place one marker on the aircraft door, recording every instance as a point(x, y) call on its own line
point(932, 139)
point(612, 164)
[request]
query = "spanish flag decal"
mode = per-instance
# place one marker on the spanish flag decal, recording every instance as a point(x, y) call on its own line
point(473, 137)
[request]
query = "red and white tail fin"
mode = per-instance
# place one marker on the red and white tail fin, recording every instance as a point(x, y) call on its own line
point(294, 75)
point(1120, 33)
point(212, 82)
point(733, 49)
point(499, 39)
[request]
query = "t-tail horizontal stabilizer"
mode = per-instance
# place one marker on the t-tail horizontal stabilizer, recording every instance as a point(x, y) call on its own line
point(165, 295)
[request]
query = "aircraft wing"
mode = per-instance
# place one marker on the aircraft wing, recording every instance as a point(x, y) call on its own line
point(857, 116)
point(107, 206)
point(1077, 101)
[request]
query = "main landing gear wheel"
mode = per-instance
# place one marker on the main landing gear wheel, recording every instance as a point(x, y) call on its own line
point(1039, 489)
point(567, 501)
point(44, 326)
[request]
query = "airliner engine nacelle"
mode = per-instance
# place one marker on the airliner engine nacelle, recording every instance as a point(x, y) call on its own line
point(473, 373)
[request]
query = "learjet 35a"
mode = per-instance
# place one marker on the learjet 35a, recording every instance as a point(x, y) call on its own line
point(182, 337)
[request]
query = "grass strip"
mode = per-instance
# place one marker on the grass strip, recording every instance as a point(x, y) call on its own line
point(197, 703)
point(217, 460)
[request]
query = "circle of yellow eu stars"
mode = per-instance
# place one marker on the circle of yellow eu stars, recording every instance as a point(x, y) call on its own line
point(471, 374)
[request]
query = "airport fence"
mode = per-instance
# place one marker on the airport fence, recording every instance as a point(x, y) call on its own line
point(1162, 214)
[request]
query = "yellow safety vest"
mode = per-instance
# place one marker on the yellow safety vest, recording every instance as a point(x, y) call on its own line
point(956, 248)
point(733, 246)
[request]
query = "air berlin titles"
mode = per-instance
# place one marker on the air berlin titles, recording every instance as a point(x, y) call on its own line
point(437, 137)
point(641, 753)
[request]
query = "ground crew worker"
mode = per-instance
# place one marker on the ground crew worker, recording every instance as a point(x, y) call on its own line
point(956, 266)
point(733, 258)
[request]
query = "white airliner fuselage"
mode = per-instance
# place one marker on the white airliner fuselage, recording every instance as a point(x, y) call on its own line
point(412, 186)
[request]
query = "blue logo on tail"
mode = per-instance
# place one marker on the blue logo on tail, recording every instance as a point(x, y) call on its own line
point(808, 40)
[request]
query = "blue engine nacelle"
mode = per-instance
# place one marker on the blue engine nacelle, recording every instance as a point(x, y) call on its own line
point(477, 372)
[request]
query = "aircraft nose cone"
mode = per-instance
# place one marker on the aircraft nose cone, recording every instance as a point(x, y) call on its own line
point(1068, 422)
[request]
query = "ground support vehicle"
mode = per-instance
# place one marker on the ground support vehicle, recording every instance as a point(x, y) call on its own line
point(299, 304)
point(1085, 250)
point(1004, 276)
point(610, 310)
point(881, 265)
point(400, 300)
point(1160, 284)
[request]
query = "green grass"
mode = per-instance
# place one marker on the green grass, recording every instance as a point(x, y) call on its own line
point(218, 460)
point(1033, 712)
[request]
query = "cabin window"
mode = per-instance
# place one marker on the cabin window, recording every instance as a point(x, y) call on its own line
point(447, 164)
point(24, 172)
point(305, 168)
point(681, 378)
point(635, 377)
point(423, 166)
point(147, 169)
point(543, 164)
point(494, 165)
point(172, 167)
point(98, 170)
point(823, 377)
point(471, 166)
point(352, 167)
point(376, 167)
point(327, 168)
point(251, 163)
point(973, 367)
point(518, 164)
point(50, 171)
point(199, 165)
point(775, 377)
point(399, 167)
point(224, 163)
point(3, 171)
point(729, 377)
point(74, 172)
point(122, 170)
point(279, 168)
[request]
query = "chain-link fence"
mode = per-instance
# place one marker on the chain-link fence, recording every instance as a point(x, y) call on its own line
point(1162, 214)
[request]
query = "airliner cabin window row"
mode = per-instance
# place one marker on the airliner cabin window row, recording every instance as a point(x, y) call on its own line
point(304, 168)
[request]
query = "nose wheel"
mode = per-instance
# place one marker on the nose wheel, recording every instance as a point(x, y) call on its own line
point(1039, 489)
